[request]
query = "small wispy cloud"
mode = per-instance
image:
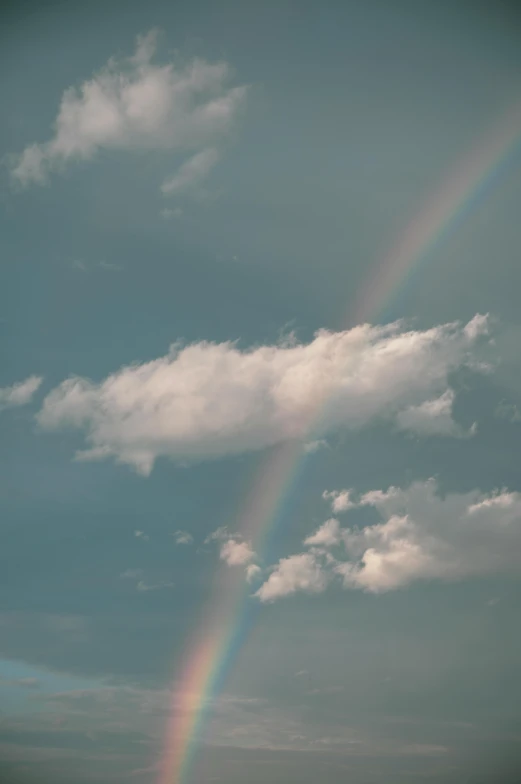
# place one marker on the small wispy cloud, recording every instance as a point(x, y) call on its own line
point(25, 683)
point(131, 574)
point(141, 535)
point(19, 394)
point(143, 587)
point(315, 446)
point(183, 537)
point(167, 213)
point(110, 266)
point(191, 173)
point(508, 411)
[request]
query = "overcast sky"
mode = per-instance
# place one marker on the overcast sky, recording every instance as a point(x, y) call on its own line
point(217, 402)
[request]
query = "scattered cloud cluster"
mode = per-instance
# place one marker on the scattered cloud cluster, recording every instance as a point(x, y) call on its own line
point(207, 400)
point(419, 536)
point(183, 537)
point(133, 104)
point(19, 394)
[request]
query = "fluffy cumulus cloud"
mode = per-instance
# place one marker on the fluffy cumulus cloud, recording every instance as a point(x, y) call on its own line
point(19, 394)
point(133, 104)
point(235, 553)
point(234, 550)
point(419, 536)
point(301, 572)
point(207, 400)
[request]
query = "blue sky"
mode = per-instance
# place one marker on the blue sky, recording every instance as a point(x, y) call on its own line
point(195, 197)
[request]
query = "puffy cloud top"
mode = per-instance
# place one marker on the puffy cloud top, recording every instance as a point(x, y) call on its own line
point(420, 536)
point(208, 399)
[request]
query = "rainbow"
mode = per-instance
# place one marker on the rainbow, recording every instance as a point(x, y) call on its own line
point(229, 614)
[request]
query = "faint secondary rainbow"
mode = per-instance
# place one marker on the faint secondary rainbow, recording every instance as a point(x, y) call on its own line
point(229, 613)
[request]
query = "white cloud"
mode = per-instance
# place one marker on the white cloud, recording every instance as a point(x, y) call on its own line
point(235, 553)
point(19, 394)
point(253, 572)
point(327, 535)
point(176, 212)
point(433, 417)
point(207, 399)
point(131, 574)
point(420, 536)
point(143, 587)
point(219, 535)
point(315, 446)
point(141, 535)
point(183, 537)
point(301, 572)
point(340, 500)
point(132, 104)
point(191, 172)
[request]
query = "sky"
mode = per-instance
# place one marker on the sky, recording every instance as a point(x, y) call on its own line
point(260, 392)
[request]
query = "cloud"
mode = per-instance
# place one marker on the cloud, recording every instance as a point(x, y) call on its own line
point(300, 572)
point(143, 587)
point(207, 399)
point(340, 500)
point(133, 105)
point(420, 536)
point(141, 535)
point(19, 394)
point(25, 683)
point(191, 172)
point(183, 537)
point(131, 574)
point(508, 411)
point(433, 417)
point(315, 446)
point(235, 553)
point(327, 535)
point(253, 572)
point(167, 213)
